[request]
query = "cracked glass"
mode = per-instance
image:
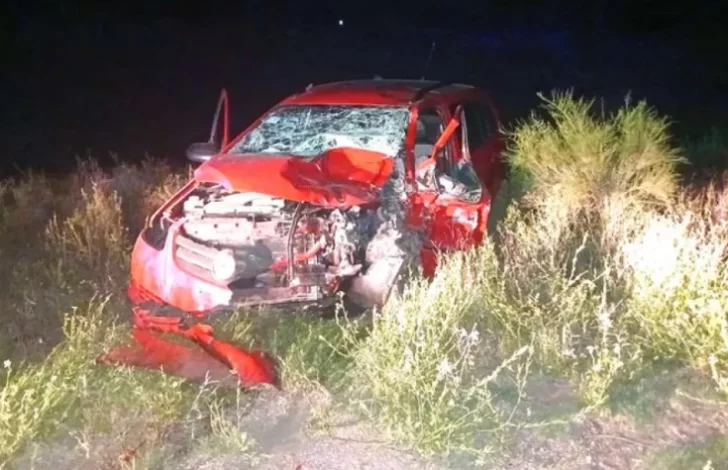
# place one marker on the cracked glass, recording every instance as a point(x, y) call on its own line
point(307, 131)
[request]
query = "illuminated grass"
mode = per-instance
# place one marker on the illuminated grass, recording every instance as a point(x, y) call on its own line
point(589, 279)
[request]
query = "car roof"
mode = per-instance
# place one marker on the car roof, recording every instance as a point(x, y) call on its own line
point(384, 92)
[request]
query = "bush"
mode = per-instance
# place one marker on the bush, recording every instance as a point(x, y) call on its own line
point(598, 261)
point(678, 285)
point(93, 239)
point(587, 160)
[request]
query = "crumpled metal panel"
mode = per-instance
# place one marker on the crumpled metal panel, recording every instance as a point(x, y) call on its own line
point(340, 177)
point(393, 237)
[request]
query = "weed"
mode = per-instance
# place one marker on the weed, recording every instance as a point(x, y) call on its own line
point(420, 369)
point(709, 455)
point(226, 436)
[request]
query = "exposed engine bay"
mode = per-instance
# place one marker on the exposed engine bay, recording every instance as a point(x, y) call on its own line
point(270, 246)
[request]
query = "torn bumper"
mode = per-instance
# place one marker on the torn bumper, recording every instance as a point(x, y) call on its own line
point(157, 273)
point(160, 275)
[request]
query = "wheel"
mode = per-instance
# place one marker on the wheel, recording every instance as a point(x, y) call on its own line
point(383, 278)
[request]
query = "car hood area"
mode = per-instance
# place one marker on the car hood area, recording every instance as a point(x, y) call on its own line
point(340, 177)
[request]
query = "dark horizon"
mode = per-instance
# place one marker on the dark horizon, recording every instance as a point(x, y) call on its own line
point(698, 19)
point(135, 78)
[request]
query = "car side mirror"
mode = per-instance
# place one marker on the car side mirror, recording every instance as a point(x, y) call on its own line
point(200, 152)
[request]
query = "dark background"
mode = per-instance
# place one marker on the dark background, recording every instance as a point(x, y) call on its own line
point(91, 78)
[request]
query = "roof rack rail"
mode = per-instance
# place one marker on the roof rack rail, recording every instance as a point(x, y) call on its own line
point(419, 94)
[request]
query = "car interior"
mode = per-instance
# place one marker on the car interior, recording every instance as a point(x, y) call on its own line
point(466, 183)
point(429, 126)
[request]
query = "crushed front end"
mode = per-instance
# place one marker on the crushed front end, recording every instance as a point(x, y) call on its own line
point(214, 249)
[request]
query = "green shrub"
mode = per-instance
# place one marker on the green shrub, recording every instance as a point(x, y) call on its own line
point(586, 160)
point(598, 263)
point(93, 239)
point(543, 290)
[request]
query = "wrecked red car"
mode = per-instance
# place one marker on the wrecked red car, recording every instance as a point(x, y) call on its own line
point(332, 193)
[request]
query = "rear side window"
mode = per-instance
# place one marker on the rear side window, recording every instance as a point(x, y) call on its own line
point(481, 124)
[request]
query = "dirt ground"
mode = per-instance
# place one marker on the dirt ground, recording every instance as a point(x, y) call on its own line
point(648, 425)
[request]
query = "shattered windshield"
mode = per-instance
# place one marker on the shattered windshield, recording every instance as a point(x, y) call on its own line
point(307, 131)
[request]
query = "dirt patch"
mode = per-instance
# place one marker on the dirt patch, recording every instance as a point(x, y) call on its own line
point(618, 441)
point(310, 432)
point(286, 437)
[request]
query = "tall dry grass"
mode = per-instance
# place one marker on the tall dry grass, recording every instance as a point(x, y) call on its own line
point(64, 267)
point(601, 268)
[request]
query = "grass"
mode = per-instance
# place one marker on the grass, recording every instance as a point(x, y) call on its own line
point(588, 280)
point(709, 455)
point(422, 370)
point(63, 301)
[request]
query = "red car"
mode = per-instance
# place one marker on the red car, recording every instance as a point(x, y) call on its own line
point(331, 193)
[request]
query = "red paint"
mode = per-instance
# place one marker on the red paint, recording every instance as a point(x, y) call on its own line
point(151, 351)
point(369, 92)
point(157, 273)
point(339, 178)
point(251, 367)
point(213, 359)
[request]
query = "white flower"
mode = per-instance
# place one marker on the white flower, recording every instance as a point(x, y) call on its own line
point(474, 336)
point(443, 369)
point(7, 363)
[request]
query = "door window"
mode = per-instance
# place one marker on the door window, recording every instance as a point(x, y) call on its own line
point(462, 180)
point(481, 124)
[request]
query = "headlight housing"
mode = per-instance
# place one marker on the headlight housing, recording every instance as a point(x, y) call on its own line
point(224, 265)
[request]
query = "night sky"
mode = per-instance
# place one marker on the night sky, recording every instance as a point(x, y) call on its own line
point(126, 77)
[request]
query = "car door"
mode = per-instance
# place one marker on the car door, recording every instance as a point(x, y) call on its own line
point(454, 220)
point(485, 141)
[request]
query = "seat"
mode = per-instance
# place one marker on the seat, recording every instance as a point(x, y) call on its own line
point(428, 129)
